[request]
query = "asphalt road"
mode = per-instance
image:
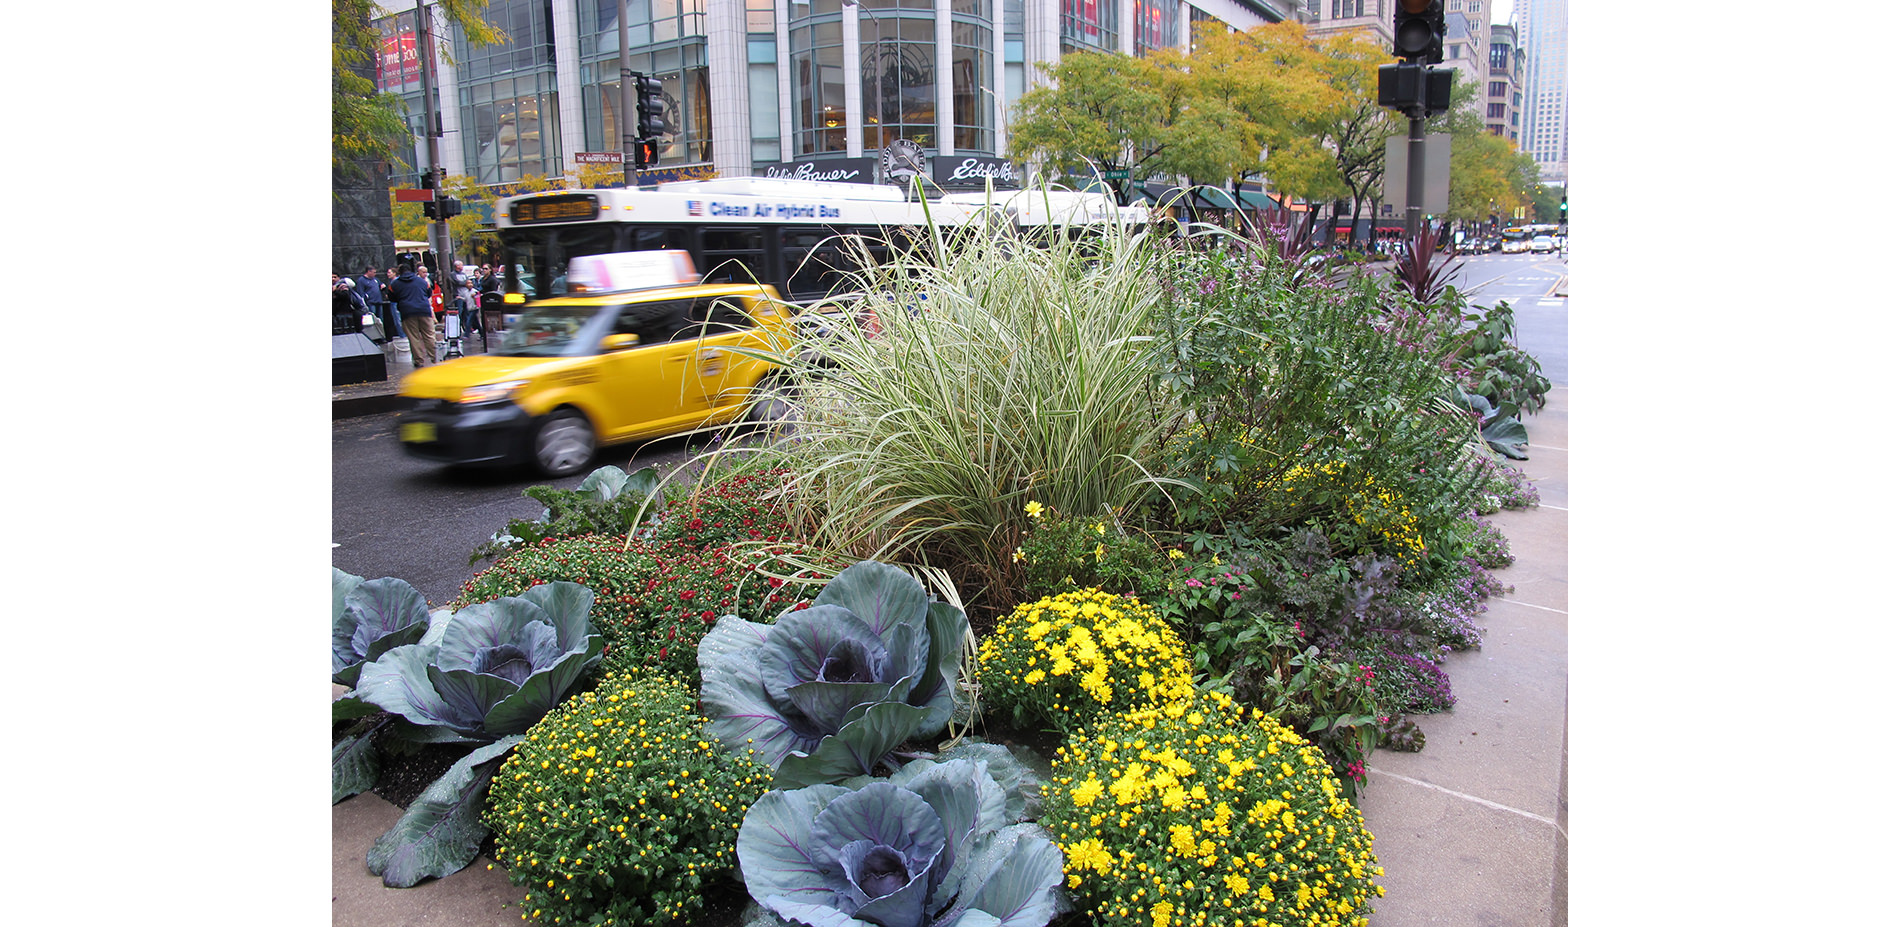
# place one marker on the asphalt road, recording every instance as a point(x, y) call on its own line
point(1529, 283)
point(393, 515)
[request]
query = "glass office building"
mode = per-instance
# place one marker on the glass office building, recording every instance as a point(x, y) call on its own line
point(761, 87)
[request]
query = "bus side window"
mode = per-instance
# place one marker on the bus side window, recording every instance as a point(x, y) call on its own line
point(659, 238)
point(734, 254)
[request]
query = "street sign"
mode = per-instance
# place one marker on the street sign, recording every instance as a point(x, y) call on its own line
point(1114, 175)
point(405, 195)
point(597, 157)
point(1437, 196)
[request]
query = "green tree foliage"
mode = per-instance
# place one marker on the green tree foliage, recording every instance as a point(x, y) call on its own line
point(365, 124)
point(1105, 112)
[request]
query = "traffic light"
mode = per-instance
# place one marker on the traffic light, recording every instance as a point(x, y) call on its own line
point(430, 180)
point(447, 207)
point(646, 153)
point(651, 121)
point(1418, 30)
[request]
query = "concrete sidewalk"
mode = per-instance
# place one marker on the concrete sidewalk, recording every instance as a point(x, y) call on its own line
point(1471, 831)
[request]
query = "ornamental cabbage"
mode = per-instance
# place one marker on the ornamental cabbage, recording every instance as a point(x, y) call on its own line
point(931, 846)
point(828, 691)
point(368, 619)
point(496, 668)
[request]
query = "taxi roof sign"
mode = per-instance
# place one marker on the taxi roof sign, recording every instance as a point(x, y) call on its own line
point(630, 270)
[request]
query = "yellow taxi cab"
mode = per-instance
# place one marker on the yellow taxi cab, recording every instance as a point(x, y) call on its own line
point(638, 348)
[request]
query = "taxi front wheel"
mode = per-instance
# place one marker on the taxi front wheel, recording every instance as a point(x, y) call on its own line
point(563, 444)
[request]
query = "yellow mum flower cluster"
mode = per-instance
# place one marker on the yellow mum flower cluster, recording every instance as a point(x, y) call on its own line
point(616, 809)
point(1060, 661)
point(1378, 509)
point(1199, 813)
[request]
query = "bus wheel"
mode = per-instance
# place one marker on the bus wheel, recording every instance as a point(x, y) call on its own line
point(563, 444)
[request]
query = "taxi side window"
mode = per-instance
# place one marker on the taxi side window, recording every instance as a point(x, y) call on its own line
point(655, 322)
point(719, 314)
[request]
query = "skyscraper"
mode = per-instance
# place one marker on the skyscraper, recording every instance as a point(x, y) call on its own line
point(1543, 28)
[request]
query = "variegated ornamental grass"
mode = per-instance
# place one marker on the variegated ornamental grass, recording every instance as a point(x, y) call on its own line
point(997, 374)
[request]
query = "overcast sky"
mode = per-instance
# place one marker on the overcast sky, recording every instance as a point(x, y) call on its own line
point(1501, 12)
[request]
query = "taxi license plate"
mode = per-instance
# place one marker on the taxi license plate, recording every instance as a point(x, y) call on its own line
point(417, 432)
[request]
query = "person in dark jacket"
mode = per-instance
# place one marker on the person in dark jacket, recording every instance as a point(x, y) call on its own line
point(411, 296)
point(369, 289)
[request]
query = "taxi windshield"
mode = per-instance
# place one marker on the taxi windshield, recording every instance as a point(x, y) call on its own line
point(547, 331)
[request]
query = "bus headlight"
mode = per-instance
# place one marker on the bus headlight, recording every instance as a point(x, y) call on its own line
point(492, 392)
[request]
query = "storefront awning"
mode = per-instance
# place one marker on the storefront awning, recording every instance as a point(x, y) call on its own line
point(1214, 197)
point(1254, 200)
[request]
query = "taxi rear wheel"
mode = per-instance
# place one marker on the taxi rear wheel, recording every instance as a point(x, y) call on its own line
point(563, 444)
point(774, 407)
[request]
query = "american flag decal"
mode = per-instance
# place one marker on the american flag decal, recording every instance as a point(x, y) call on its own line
point(695, 208)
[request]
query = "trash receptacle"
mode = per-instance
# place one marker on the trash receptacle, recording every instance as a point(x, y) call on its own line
point(491, 312)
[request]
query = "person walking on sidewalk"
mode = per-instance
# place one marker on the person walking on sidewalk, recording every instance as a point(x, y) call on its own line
point(411, 296)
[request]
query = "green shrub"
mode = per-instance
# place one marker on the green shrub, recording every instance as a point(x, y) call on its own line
point(617, 810)
point(606, 502)
point(732, 509)
point(1201, 812)
point(1059, 662)
point(1337, 392)
point(1063, 553)
point(652, 602)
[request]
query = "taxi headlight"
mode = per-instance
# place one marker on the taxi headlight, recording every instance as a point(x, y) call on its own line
point(491, 392)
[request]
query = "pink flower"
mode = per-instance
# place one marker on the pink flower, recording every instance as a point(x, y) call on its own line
point(1194, 583)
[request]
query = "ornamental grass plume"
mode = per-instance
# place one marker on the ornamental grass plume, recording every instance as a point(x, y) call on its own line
point(1061, 661)
point(1203, 814)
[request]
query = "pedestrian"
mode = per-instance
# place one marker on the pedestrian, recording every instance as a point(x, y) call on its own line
point(370, 291)
point(411, 296)
point(464, 289)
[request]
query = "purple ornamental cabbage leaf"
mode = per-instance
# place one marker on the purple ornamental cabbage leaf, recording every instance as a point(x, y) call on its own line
point(827, 692)
point(928, 847)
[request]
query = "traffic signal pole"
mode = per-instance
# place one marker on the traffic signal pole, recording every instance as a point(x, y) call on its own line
point(1415, 165)
point(432, 129)
point(627, 117)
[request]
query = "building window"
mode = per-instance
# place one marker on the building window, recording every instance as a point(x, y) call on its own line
point(899, 75)
point(1089, 25)
point(1346, 9)
point(970, 93)
point(1495, 111)
point(1497, 88)
point(1157, 25)
point(818, 88)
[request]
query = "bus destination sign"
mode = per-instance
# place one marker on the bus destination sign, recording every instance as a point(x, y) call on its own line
point(573, 207)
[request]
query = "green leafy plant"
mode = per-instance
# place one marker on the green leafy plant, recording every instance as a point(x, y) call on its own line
point(1063, 552)
point(1204, 812)
point(608, 501)
point(1060, 661)
point(617, 809)
point(1333, 704)
point(654, 601)
point(931, 846)
point(828, 692)
point(482, 676)
point(1485, 349)
point(1503, 433)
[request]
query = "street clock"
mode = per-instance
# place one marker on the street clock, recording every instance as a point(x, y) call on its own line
point(901, 160)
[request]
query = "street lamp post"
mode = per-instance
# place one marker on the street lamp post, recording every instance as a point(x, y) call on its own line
point(877, 61)
point(1002, 118)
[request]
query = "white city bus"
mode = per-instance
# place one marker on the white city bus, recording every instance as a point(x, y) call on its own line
point(783, 232)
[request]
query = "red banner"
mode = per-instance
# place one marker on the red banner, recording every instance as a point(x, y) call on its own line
point(397, 63)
